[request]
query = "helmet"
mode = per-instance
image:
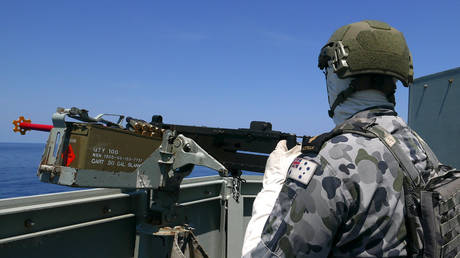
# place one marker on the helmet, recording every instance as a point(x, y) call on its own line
point(368, 47)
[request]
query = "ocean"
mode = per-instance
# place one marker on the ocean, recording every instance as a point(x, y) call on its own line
point(18, 171)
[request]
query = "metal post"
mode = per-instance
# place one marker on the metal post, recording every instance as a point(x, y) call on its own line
point(235, 225)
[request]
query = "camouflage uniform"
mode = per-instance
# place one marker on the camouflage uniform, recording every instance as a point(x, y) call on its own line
point(353, 205)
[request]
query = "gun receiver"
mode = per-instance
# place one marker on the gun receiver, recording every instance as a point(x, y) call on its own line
point(236, 149)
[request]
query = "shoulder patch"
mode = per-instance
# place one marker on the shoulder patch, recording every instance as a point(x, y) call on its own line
point(302, 170)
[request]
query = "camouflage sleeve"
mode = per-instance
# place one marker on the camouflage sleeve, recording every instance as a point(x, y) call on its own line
point(307, 213)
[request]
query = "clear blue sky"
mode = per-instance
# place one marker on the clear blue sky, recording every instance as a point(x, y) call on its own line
point(214, 63)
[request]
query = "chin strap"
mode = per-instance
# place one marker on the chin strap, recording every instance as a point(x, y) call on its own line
point(341, 98)
point(379, 82)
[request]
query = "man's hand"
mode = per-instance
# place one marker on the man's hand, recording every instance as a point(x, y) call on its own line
point(275, 174)
point(278, 164)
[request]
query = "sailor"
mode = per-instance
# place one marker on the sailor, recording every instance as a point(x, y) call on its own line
point(342, 195)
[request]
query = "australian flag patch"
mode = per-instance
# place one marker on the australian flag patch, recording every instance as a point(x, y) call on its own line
point(302, 170)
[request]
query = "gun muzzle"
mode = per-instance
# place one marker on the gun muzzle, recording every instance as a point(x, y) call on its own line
point(23, 125)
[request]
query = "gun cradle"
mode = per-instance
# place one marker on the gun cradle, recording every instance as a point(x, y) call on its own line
point(236, 149)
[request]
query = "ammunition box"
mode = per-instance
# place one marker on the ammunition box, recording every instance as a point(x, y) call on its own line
point(94, 146)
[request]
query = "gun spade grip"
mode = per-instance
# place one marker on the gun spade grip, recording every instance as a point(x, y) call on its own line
point(291, 141)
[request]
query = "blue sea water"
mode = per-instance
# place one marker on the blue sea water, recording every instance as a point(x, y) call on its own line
point(18, 171)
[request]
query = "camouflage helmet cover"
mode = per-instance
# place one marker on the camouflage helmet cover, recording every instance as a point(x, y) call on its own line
point(368, 47)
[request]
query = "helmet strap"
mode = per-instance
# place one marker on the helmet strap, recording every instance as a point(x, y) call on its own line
point(341, 98)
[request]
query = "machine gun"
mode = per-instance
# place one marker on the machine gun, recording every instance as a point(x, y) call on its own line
point(149, 160)
point(96, 152)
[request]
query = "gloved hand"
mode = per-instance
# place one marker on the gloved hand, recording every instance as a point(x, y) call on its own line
point(275, 174)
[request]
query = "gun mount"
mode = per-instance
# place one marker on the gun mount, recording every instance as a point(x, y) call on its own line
point(96, 152)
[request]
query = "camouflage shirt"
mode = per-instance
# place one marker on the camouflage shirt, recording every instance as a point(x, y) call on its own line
point(353, 203)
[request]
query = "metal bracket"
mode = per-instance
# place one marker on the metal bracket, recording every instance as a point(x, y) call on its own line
point(55, 141)
point(187, 151)
point(339, 62)
point(82, 115)
point(173, 161)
